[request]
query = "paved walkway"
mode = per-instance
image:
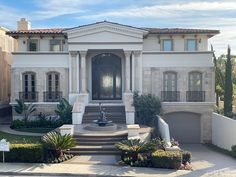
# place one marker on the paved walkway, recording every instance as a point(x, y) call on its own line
point(7, 129)
point(205, 163)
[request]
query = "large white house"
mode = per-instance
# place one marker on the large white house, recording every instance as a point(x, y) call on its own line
point(106, 62)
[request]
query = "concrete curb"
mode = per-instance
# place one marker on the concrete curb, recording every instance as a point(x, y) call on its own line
point(56, 174)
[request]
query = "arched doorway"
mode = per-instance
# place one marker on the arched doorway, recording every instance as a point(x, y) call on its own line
point(106, 77)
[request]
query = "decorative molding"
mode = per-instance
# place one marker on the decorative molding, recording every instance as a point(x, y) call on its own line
point(73, 53)
point(40, 53)
point(176, 52)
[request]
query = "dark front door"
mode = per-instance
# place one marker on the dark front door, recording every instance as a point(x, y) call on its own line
point(106, 77)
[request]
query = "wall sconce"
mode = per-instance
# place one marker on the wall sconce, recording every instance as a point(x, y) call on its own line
point(63, 41)
point(200, 40)
point(24, 42)
point(53, 37)
point(183, 36)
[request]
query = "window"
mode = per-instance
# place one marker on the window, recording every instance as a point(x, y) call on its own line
point(53, 82)
point(170, 81)
point(191, 45)
point(55, 45)
point(33, 45)
point(195, 81)
point(29, 93)
point(53, 93)
point(167, 45)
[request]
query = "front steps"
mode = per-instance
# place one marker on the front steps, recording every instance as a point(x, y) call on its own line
point(97, 144)
point(114, 113)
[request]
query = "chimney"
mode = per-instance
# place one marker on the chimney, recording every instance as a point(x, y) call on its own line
point(23, 24)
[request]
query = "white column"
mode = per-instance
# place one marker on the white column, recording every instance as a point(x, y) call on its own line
point(127, 71)
point(70, 74)
point(138, 73)
point(133, 80)
point(77, 73)
point(83, 71)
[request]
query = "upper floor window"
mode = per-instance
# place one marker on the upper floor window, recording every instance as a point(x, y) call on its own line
point(33, 44)
point(55, 45)
point(195, 81)
point(191, 45)
point(170, 81)
point(167, 45)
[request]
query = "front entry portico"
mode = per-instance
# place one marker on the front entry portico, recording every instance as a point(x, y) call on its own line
point(106, 77)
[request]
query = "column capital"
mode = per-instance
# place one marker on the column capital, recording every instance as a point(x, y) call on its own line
point(137, 53)
point(73, 53)
point(127, 53)
point(83, 53)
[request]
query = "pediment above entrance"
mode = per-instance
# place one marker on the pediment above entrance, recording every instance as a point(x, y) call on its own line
point(105, 32)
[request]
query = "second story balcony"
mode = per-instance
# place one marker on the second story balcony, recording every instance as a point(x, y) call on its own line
point(195, 96)
point(170, 96)
point(52, 96)
point(28, 96)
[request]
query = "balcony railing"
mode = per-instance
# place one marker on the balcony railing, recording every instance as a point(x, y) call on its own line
point(195, 96)
point(52, 96)
point(28, 96)
point(170, 96)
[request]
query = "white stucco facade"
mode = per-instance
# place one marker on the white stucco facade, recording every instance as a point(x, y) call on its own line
point(141, 54)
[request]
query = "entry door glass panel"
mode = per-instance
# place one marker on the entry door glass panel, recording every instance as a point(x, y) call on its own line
point(106, 77)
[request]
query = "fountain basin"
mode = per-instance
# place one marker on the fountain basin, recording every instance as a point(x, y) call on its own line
point(96, 127)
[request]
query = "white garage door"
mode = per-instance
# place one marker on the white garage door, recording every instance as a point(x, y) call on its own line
point(184, 127)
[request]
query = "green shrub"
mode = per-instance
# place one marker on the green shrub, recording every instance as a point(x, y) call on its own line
point(17, 124)
point(64, 111)
point(32, 153)
point(24, 109)
point(143, 160)
point(147, 106)
point(186, 157)
point(233, 151)
point(166, 159)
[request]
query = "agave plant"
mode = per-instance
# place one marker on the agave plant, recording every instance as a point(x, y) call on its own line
point(64, 111)
point(134, 148)
point(24, 109)
point(58, 143)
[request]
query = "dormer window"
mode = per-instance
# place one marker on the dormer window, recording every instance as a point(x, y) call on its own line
point(167, 45)
point(33, 44)
point(191, 45)
point(56, 45)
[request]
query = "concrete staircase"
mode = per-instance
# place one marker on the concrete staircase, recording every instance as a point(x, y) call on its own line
point(97, 144)
point(114, 113)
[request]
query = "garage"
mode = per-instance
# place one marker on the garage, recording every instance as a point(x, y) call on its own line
point(185, 127)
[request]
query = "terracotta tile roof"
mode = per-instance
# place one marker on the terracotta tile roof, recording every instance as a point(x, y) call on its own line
point(39, 31)
point(150, 31)
point(180, 31)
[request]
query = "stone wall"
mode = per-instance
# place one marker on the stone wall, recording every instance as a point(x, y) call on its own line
point(17, 85)
point(153, 80)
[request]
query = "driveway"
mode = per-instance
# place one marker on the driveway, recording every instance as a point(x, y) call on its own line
point(207, 162)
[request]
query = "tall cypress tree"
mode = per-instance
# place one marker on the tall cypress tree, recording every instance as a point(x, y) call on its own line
point(228, 86)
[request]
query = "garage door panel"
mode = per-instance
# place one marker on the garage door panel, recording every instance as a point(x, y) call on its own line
point(184, 127)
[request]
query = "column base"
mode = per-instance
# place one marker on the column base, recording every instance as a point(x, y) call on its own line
point(72, 97)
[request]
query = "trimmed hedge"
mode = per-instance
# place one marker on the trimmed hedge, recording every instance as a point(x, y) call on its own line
point(233, 151)
point(166, 159)
point(33, 153)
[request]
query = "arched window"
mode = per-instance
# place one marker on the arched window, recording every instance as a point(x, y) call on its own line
point(195, 81)
point(170, 81)
point(170, 92)
point(29, 93)
point(53, 93)
point(195, 93)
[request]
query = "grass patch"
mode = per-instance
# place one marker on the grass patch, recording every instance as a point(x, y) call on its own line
point(19, 139)
point(35, 130)
point(221, 150)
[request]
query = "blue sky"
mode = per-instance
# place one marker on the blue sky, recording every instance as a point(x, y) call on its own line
point(211, 14)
